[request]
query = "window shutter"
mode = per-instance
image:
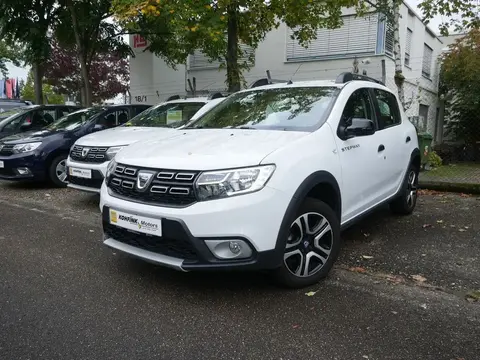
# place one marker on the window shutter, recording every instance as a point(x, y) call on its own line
point(389, 40)
point(198, 60)
point(427, 60)
point(356, 36)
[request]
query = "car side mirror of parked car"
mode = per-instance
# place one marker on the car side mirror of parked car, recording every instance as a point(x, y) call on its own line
point(357, 127)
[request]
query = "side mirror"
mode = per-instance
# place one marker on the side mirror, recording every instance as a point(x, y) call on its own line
point(357, 127)
point(98, 127)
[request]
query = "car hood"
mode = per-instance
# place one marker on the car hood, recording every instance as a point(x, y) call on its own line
point(29, 136)
point(207, 149)
point(124, 135)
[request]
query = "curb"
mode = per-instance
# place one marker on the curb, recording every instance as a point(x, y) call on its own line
point(450, 187)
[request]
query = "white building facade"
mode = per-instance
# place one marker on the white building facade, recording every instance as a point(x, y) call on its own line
point(333, 52)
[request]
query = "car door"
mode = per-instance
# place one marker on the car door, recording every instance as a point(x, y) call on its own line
point(360, 160)
point(392, 139)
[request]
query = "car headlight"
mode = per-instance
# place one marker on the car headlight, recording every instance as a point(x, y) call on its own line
point(21, 148)
point(225, 183)
point(111, 152)
point(110, 169)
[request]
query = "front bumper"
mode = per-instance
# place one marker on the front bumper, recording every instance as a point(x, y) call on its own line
point(31, 161)
point(254, 219)
point(89, 185)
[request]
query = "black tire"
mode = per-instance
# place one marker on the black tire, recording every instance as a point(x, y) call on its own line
point(52, 171)
point(284, 274)
point(405, 203)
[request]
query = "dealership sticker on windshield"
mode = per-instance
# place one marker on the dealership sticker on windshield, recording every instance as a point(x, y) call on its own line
point(136, 223)
point(1, 165)
point(81, 173)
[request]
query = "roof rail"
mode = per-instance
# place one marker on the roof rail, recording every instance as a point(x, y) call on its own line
point(216, 95)
point(266, 81)
point(173, 97)
point(348, 76)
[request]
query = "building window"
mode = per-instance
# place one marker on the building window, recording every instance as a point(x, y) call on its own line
point(357, 36)
point(427, 61)
point(408, 47)
point(199, 60)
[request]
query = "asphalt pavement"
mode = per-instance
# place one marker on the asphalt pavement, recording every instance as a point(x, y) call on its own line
point(399, 291)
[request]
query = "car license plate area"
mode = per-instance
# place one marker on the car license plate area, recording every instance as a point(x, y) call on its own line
point(136, 223)
point(81, 173)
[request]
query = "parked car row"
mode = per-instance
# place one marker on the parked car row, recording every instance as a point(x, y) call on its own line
point(265, 178)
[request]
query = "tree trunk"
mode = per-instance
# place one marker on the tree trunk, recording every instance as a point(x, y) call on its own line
point(38, 82)
point(82, 58)
point(397, 53)
point(233, 71)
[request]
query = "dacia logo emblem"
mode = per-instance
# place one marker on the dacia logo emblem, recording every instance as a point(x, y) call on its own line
point(144, 179)
point(85, 152)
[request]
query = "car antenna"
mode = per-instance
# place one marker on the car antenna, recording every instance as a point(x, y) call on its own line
point(295, 73)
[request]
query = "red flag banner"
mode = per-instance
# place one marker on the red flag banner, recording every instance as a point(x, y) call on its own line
point(9, 88)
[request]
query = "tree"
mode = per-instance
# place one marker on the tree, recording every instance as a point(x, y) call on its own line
point(28, 91)
point(27, 22)
point(108, 74)
point(83, 26)
point(218, 27)
point(8, 54)
point(460, 83)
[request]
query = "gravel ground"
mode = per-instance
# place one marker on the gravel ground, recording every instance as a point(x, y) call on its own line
point(64, 296)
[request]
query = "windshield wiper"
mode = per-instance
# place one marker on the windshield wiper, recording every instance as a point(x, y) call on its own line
point(246, 127)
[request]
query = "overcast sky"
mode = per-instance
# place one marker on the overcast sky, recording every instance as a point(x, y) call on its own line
point(14, 72)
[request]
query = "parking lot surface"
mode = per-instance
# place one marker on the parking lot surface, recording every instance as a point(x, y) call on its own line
point(402, 289)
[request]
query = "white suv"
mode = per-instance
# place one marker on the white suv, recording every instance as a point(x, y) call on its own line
point(89, 156)
point(265, 180)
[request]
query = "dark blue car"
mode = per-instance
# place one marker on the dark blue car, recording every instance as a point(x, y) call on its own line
point(41, 155)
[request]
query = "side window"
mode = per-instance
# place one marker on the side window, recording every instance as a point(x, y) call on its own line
point(49, 115)
point(64, 111)
point(122, 116)
point(358, 106)
point(388, 109)
point(108, 120)
point(140, 109)
point(39, 119)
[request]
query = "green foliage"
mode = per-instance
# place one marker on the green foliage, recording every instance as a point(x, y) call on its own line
point(175, 27)
point(28, 91)
point(460, 76)
point(8, 54)
point(461, 15)
point(434, 160)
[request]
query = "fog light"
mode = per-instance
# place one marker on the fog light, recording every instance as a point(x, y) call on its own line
point(23, 171)
point(229, 249)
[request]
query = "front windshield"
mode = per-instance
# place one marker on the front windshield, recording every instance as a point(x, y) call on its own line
point(285, 108)
point(166, 115)
point(74, 120)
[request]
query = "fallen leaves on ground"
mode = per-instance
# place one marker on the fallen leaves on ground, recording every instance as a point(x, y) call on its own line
point(465, 195)
point(395, 279)
point(419, 278)
point(424, 306)
point(473, 296)
point(310, 293)
point(357, 269)
point(427, 226)
point(439, 221)
point(366, 234)
point(295, 326)
point(367, 257)
point(462, 230)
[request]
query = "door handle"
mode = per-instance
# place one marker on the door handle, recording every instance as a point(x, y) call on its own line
point(381, 148)
point(408, 139)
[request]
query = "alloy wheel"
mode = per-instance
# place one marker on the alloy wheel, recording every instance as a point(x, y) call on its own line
point(308, 245)
point(412, 188)
point(61, 171)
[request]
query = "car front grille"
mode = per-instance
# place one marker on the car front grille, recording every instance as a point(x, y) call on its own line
point(161, 245)
point(167, 187)
point(88, 154)
point(6, 149)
